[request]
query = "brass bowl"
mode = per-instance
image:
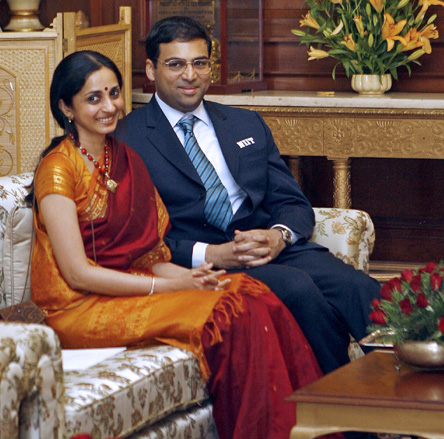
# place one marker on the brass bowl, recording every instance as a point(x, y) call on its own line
point(423, 354)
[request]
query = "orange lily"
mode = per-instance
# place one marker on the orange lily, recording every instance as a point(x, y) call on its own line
point(378, 5)
point(309, 21)
point(316, 54)
point(426, 34)
point(348, 41)
point(390, 31)
point(412, 40)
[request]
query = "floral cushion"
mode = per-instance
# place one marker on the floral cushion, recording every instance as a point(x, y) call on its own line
point(348, 233)
point(30, 370)
point(131, 389)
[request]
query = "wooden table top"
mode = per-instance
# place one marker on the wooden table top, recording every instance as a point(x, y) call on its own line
point(374, 381)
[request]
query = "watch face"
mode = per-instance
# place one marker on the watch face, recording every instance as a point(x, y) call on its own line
point(286, 235)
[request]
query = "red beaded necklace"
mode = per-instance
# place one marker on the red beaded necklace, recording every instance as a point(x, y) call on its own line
point(110, 183)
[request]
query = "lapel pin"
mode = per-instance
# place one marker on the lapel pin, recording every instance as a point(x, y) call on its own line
point(245, 142)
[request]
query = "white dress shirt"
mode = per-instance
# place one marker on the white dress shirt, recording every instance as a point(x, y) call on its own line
point(208, 142)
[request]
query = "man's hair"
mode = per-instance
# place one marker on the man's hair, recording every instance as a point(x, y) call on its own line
point(168, 29)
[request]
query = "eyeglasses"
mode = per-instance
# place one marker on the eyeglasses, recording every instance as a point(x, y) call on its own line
point(200, 66)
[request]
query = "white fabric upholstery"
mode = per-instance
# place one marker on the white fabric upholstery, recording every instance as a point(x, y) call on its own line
point(348, 233)
point(30, 367)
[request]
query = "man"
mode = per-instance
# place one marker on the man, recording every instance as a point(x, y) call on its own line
point(266, 221)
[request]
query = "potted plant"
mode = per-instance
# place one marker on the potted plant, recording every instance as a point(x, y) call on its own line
point(369, 37)
point(411, 310)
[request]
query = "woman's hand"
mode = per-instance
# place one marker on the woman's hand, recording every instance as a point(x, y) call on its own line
point(201, 278)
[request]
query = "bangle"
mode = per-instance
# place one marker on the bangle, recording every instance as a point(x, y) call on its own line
point(153, 283)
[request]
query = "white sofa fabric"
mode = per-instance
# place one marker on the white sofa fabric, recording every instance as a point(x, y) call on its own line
point(147, 393)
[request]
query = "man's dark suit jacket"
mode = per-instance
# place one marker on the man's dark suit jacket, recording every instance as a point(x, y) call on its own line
point(273, 195)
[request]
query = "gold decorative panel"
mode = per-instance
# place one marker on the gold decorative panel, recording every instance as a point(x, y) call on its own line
point(390, 138)
point(8, 122)
point(26, 125)
point(297, 136)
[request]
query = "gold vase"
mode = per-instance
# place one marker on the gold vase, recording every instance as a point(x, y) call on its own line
point(24, 16)
point(372, 85)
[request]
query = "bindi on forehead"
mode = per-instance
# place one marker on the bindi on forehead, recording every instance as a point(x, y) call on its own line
point(106, 88)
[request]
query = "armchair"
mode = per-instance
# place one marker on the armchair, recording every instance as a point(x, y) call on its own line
point(145, 393)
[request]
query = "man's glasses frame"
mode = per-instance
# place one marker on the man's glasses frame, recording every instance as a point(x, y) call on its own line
point(202, 66)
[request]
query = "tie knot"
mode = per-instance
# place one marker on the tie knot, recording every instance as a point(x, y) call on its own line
point(187, 124)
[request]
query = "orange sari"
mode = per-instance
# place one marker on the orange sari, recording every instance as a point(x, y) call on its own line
point(250, 350)
point(87, 320)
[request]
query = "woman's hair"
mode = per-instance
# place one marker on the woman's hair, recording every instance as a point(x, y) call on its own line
point(179, 28)
point(69, 78)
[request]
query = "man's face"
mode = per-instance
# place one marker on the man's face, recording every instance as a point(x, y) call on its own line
point(183, 91)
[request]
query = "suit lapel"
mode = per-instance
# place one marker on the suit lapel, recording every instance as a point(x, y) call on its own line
point(162, 136)
point(226, 138)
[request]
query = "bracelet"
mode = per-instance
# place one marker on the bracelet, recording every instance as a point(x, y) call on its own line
point(153, 283)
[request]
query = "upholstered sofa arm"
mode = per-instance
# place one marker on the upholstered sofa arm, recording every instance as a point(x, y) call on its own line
point(348, 233)
point(31, 380)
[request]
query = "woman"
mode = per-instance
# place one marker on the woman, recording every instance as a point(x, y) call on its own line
point(107, 279)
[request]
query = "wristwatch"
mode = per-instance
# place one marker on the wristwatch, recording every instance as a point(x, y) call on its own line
point(286, 235)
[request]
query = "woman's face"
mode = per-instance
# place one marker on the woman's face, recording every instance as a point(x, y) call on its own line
point(96, 108)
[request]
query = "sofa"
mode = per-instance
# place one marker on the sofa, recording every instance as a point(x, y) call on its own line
point(147, 393)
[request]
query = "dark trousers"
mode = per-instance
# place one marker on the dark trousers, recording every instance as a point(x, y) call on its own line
point(328, 298)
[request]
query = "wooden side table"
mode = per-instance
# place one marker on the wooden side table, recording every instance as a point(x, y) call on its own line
point(370, 395)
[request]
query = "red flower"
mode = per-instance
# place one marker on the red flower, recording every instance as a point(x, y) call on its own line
point(406, 306)
point(435, 281)
point(376, 303)
point(430, 267)
point(378, 317)
point(415, 283)
point(407, 275)
point(421, 301)
point(388, 287)
point(441, 325)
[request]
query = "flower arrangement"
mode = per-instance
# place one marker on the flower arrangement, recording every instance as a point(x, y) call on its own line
point(412, 305)
point(369, 36)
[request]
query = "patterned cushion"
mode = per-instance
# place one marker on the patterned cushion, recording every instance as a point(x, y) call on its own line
point(348, 233)
point(131, 389)
point(31, 386)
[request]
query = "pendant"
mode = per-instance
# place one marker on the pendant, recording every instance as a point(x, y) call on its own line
point(111, 184)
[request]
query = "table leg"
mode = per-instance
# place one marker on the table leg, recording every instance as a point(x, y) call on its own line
point(341, 183)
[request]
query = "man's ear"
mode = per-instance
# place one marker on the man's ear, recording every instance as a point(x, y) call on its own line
point(65, 109)
point(149, 70)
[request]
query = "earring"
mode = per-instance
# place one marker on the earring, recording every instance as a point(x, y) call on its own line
point(70, 120)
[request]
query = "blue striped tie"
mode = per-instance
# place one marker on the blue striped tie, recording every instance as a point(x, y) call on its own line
point(217, 207)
